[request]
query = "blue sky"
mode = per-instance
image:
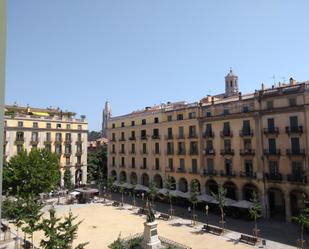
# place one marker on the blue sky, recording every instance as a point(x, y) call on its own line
point(75, 54)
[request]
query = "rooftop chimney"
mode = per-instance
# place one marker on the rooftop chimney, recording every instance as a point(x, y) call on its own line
point(292, 81)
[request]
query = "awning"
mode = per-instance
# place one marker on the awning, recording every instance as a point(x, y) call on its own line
point(141, 187)
point(117, 184)
point(205, 197)
point(74, 193)
point(178, 193)
point(87, 190)
point(127, 185)
point(243, 204)
point(163, 191)
point(228, 201)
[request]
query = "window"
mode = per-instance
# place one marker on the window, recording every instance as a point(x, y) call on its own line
point(5, 124)
point(297, 171)
point(169, 118)
point(273, 168)
point(179, 116)
point(144, 163)
point(156, 120)
point(194, 166)
point(181, 132)
point(133, 148)
point(248, 168)
point(226, 111)
point(228, 167)
point(193, 148)
point(79, 127)
point(58, 137)
point(19, 148)
point(67, 160)
point(227, 144)
point(247, 145)
point(182, 164)
point(144, 148)
point(132, 123)
point(208, 130)
point(272, 145)
point(122, 162)
point(122, 124)
point(20, 124)
point(35, 125)
point(155, 133)
point(294, 123)
point(79, 137)
point(170, 148)
point(157, 163)
point(122, 148)
point(48, 125)
point(79, 148)
point(269, 104)
point(58, 149)
point(68, 126)
point(271, 124)
point(48, 137)
point(113, 125)
point(226, 129)
point(157, 148)
point(20, 136)
point(295, 147)
point(245, 109)
point(192, 115)
point(58, 126)
point(208, 114)
point(48, 147)
point(113, 161)
point(181, 148)
point(192, 131)
point(113, 149)
point(143, 134)
point(210, 166)
point(132, 135)
point(79, 160)
point(34, 137)
point(209, 145)
point(122, 136)
point(170, 163)
point(133, 162)
point(292, 101)
point(246, 127)
point(68, 137)
point(170, 133)
point(143, 121)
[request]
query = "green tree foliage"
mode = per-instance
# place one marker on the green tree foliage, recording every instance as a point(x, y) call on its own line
point(31, 174)
point(67, 179)
point(153, 192)
point(117, 244)
point(59, 234)
point(97, 166)
point(93, 135)
point(302, 218)
point(194, 193)
point(221, 199)
point(256, 210)
point(169, 187)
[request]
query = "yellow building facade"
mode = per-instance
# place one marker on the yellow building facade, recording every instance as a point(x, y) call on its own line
point(252, 142)
point(60, 132)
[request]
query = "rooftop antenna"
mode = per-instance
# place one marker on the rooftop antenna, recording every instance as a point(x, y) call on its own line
point(274, 79)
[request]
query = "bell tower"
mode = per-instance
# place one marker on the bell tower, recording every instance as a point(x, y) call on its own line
point(231, 84)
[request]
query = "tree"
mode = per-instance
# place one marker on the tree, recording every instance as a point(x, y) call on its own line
point(193, 195)
point(110, 185)
point(31, 174)
point(97, 165)
point(302, 218)
point(59, 234)
point(153, 192)
point(169, 186)
point(31, 214)
point(67, 179)
point(121, 190)
point(220, 198)
point(117, 244)
point(255, 211)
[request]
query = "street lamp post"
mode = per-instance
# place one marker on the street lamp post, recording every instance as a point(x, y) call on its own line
point(207, 209)
point(104, 193)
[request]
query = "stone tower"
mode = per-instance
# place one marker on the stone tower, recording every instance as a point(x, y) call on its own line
point(231, 84)
point(107, 114)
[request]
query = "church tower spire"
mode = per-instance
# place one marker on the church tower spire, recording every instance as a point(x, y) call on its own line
point(107, 114)
point(231, 84)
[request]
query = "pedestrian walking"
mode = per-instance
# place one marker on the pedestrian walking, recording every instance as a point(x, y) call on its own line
point(189, 210)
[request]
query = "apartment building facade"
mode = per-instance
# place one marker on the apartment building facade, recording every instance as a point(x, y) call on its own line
point(60, 132)
point(253, 142)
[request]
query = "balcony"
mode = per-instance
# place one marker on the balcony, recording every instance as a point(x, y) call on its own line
point(247, 152)
point(181, 152)
point(79, 141)
point(206, 172)
point(34, 141)
point(181, 170)
point(122, 152)
point(193, 152)
point(144, 137)
point(181, 137)
point(192, 136)
point(246, 133)
point(78, 153)
point(208, 134)
point(227, 152)
point(132, 152)
point(231, 173)
point(273, 177)
point(209, 152)
point(112, 139)
point(294, 129)
point(155, 136)
point(194, 172)
point(156, 168)
point(48, 141)
point(297, 179)
point(247, 174)
point(271, 131)
point(113, 152)
point(294, 152)
point(170, 169)
point(170, 152)
point(122, 139)
point(143, 167)
point(226, 134)
point(79, 164)
point(67, 153)
point(132, 138)
point(20, 140)
point(144, 152)
point(169, 137)
point(272, 152)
